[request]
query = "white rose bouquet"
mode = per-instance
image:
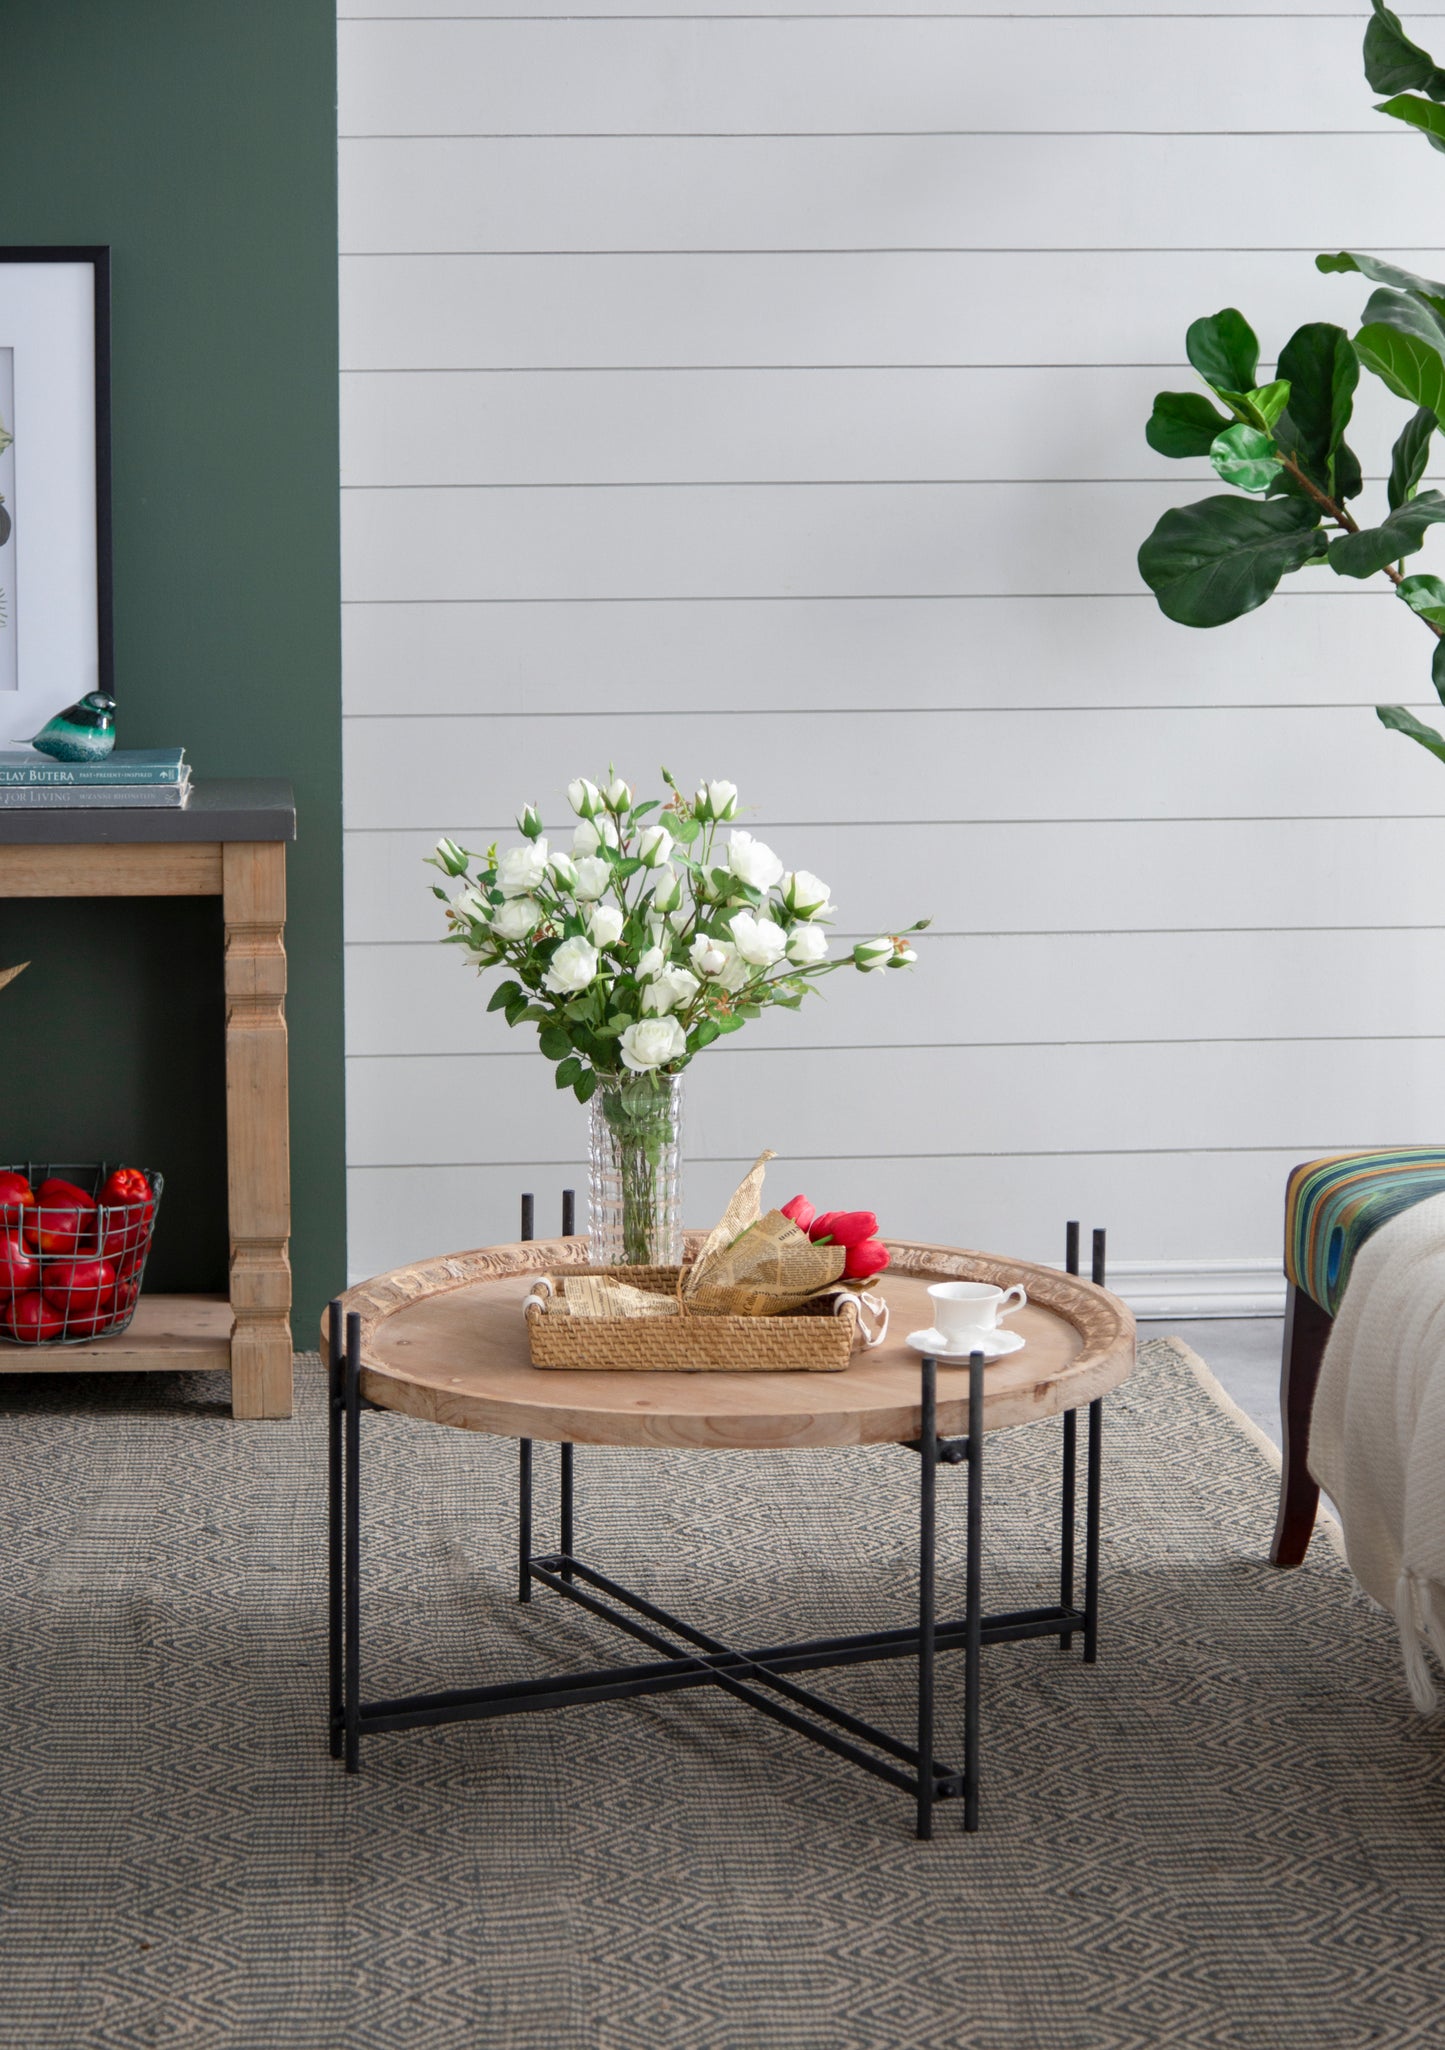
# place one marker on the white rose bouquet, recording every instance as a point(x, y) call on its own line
point(644, 942)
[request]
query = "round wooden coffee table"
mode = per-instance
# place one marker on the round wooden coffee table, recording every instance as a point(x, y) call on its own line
point(445, 1340)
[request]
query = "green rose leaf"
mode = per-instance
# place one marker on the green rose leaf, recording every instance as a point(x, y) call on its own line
point(704, 1033)
point(1245, 457)
point(1211, 562)
point(1383, 273)
point(1401, 721)
point(1322, 370)
point(554, 1042)
point(730, 1022)
point(504, 993)
point(1425, 595)
point(1409, 456)
point(1223, 348)
point(1409, 366)
point(1183, 423)
point(1417, 113)
point(1393, 64)
point(567, 1072)
point(687, 830)
point(585, 1085)
point(1375, 548)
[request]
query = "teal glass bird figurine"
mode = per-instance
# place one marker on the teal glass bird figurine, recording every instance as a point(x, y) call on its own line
point(83, 732)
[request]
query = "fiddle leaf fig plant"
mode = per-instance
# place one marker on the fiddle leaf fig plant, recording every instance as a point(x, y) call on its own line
point(1282, 442)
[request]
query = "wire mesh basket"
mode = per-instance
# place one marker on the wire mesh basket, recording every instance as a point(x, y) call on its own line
point(71, 1266)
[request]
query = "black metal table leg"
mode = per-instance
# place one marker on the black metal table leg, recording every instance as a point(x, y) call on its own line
point(973, 1593)
point(352, 1543)
point(1091, 1531)
point(524, 1519)
point(565, 1504)
point(1068, 1517)
point(335, 1366)
point(927, 1490)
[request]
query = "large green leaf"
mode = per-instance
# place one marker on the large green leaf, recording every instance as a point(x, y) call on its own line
point(1211, 562)
point(1375, 548)
point(1245, 457)
point(1183, 423)
point(1223, 349)
point(1410, 455)
point(1382, 273)
point(1349, 479)
point(1425, 595)
point(1409, 366)
point(1418, 113)
point(1408, 313)
point(1258, 408)
point(1401, 721)
point(1393, 64)
point(1321, 367)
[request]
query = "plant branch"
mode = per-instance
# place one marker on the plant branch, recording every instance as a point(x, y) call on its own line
point(1342, 518)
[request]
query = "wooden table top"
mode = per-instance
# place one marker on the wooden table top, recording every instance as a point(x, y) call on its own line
point(444, 1340)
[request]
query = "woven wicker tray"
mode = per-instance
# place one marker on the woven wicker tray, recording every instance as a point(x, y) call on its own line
point(818, 1338)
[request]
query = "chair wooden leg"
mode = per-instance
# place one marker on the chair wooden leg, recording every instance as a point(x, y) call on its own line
point(1306, 1328)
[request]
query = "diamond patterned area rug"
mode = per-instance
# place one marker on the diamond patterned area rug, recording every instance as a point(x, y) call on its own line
point(1230, 1832)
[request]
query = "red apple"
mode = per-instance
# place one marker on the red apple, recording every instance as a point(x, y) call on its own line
point(59, 1227)
point(32, 1321)
point(15, 1194)
point(19, 1268)
point(54, 1190)
point(78, 1288)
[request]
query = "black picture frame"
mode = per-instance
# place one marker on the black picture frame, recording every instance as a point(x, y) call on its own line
point(98, 257)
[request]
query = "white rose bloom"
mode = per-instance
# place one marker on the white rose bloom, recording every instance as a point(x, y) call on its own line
point(481, 957)
point(652, 964)
point(806, 896)
point(735, 971)
point(903, 956)
point(652, 1043)
point(709, 957)
point(758, 940)
point(470, 903)
point(572, 967)
point(452, 858)
point(522, 869)
point(807, 944)
point(752, 862)
point(584, 797)
point(667, 890)
point(654, 847)
point(517, 917)
point(564, 869)
point(619, 794)
point(605, 923)
point(673, 987)
point(716, 800)
point(592, 834)
point(681, 919)
point(872, 954)
point(593, 877)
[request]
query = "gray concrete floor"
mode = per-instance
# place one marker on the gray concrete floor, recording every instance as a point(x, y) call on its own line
point(1242, 1353)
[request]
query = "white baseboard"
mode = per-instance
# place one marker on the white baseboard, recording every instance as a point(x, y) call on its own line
point(1199, 1288)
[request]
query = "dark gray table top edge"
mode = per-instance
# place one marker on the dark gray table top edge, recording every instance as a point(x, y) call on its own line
point(255, 808)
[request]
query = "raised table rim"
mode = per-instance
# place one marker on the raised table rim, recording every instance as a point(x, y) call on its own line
point(555, 1407)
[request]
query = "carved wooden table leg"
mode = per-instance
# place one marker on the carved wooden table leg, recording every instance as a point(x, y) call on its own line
point(1306, 1328)
point(258, 1148)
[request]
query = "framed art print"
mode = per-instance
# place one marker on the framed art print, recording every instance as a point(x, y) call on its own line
point(55, 593)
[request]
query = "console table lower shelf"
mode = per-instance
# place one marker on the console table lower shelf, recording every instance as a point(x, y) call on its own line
point(415, 1325)
point(178, 1334)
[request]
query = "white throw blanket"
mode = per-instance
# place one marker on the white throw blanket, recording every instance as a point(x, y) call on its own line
point(1377, 1437)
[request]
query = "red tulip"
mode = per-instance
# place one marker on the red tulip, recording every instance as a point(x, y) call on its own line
point(820, 1231)
point(19, 1268)
point(800, 1211)
point(851, 1227)
point(31, 1320)
point(870, 1256)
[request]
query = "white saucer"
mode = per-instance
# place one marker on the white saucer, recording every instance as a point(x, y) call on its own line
point(992, 1344)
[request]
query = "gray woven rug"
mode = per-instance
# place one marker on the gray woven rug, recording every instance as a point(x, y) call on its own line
point(1231, 1832)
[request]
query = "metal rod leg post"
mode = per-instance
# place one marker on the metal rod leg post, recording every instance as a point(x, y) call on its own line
point(352, 1543)
point(1091, 1531)
point(1068, 1518)
point(566, 1506)
point(928, 1480)
point(973, 1593)
point(335, 1368)
point(524, 1519)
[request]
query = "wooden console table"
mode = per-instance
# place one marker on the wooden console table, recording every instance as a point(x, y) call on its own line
point(230, 843)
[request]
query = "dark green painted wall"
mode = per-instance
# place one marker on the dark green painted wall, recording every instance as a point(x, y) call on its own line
point(198, 139)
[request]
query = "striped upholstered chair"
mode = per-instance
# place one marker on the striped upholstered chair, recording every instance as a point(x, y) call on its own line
point(1331, 1207)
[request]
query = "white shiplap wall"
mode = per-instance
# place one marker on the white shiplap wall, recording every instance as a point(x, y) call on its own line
point(763, 393)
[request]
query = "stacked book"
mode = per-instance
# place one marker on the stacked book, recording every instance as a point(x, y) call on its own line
point(129, 778)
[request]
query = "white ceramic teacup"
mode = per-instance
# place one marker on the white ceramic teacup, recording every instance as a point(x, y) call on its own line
point(965, 1310)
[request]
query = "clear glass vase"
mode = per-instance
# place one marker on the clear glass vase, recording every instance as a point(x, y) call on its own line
point(635, 1175)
